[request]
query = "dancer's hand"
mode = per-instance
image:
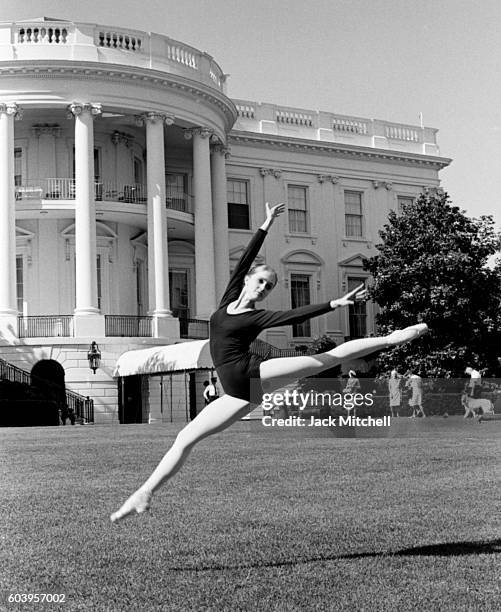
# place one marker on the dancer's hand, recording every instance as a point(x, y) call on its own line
point(356, 295)
point(272, 212)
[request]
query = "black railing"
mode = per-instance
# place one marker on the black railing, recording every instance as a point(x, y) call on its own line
point(268, 351)
point(13, 373)
point(44, 326)
point(82, 407)
point(197, 329)
point(128, 326)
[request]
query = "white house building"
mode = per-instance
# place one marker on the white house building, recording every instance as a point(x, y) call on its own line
point(130, 182)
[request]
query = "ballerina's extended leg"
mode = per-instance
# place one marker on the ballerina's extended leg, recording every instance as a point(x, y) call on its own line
point(276, 373)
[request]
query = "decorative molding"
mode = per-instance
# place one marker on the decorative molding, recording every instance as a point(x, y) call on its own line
point(433, 190)
point(376, 184)
point(54, 70)
point(353, 261)
point(328, 177)
point(202, 131)
point(275, 172)
point(154, 117)
point(122, 138)
point(77, 108)
point(345, 151)
point(46, 129)
point(222, 150)
point(11, 108)
point(389, 186)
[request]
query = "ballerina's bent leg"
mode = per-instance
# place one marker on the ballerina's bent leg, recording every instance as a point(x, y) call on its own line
point(215, 417)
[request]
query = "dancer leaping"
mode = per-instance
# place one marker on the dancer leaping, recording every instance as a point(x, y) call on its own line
point(233, 327)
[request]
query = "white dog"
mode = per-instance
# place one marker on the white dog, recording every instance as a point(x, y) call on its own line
point(476, 406)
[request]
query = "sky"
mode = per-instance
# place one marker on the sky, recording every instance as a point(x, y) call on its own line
point(381, 59)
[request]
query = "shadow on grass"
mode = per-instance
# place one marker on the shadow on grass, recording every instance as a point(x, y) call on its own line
point(447, 549)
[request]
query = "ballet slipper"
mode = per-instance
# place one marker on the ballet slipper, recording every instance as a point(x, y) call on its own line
point(138, 502)
point(401, 336)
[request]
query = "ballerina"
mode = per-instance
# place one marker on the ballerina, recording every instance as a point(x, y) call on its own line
point(233, 327)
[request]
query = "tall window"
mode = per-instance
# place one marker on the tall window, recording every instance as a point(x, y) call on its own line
point(178, 288)
point(177, 188)
point(296, 202)
point(353, 214)
point(20, 283)
point(357, 313)
point(138, 171)
point(238, 204)
point(99, 281)
point(140, 287)
point(403, 201)
point(300, 296)
point(18, 166)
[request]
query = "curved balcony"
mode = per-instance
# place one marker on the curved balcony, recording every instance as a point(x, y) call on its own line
point(63, 189)
point(48, 39)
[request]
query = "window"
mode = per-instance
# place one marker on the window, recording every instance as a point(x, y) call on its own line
point(403, 201)
point(353, 214)
point(18, 166)
point(178, 289)
point(238, 204)
point(138, 171)
point(300, 296)
point(140, 287)
point(296, 201)
point(20, 283)
point(99, 271)
point(357, 313)
point(176, 191)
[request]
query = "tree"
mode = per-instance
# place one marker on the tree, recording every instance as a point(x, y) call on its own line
point(431, 267)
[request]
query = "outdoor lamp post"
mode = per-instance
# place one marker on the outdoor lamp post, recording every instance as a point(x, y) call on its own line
point(94, 356)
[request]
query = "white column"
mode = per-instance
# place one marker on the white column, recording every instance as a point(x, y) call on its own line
point(204, 233)
point(220, 216)
point(157, 211)
point(158, 255)
point(87, 319)
point(8, 294)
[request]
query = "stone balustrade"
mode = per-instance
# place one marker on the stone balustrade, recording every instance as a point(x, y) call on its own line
point(64, 40)
point(331, 127)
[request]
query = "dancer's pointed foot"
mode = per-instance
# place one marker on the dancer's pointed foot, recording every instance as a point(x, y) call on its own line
point(138, 502)
point(401, 336)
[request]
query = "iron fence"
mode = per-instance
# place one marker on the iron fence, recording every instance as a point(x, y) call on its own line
point(128, 326)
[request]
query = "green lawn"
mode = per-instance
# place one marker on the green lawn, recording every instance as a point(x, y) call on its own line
point(259, 519)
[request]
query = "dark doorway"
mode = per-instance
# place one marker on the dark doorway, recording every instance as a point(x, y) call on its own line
point(47, 378)
point(130, 399)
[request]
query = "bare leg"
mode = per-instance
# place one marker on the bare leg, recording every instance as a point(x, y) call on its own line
point(215, 417)
point(276, 373)
point(221, 413)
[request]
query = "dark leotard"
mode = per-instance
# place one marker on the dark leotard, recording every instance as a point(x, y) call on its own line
point(232, 334)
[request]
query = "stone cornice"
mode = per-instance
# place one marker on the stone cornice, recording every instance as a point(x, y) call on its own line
point(341, 150)
point(118, 73)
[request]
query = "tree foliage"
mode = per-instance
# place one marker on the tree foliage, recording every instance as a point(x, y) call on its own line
point(431, 267)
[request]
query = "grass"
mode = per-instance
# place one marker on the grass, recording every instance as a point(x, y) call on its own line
point(259, 519)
